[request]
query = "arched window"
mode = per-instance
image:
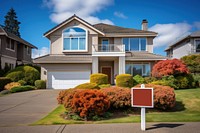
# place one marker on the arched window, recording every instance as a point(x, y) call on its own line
point(74, 39)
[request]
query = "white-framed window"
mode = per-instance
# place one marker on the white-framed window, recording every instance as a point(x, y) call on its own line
point(74, 39)
point(10, 44)
point(138, 69)
point(10, 65)
point(135, 44)
point(197, 45)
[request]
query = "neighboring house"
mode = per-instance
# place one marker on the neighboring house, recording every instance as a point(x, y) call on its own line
point(14, 50)
point(186, 45)
point(78, 49)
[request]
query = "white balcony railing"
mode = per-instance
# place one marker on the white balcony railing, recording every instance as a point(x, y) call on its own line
point(108, 49)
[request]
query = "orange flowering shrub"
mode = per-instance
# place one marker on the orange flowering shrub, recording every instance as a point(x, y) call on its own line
point(67, 100)
point(164, 96)
point(87, 103)
point(119, 97)
point(169, 67)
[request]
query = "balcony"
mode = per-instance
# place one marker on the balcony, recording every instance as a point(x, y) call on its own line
point(108, 50)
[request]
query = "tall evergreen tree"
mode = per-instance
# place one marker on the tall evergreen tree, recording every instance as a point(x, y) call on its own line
point(11, 22)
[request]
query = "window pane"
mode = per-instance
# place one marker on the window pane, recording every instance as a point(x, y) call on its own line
point(137, 69)
point(134, 44)
point(146, 70)
point(197, 45)
point(74, 43)
point(105, 44)
point(66, 44)
point(128, 68)
point(126, 42)
point(143, 44)
point(81, 43)
point(8, 43)
point(12, 44)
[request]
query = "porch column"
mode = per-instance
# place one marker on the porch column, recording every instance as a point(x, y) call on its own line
point(95, 64)
point(121, 64)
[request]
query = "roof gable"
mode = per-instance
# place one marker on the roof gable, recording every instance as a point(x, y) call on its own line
point(74, 17)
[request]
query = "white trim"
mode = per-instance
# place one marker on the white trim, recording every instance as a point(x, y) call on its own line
point(140, 105)
point(70, 21)
point(86, 40)
point(9, 57)
point(124, 35)
point(108, 54)
point(111, 74)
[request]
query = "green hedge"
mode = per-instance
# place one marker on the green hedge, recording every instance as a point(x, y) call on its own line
point(22, 88)
point(3, 82)
point(124, 80)
point(22, 82)
point(40, 84)
point(137, 79)
point(26, 73)
point(99, 78)
point(87, 86)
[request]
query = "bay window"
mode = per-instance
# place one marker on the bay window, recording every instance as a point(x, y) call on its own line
point(135, 44)
point(74, 39)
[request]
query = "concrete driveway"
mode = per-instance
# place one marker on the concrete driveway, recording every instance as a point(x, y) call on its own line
point(26, 107)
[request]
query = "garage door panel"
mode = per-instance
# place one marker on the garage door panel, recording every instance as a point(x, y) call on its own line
point(65, 80)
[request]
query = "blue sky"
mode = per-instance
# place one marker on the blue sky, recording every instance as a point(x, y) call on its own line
point(169, 18)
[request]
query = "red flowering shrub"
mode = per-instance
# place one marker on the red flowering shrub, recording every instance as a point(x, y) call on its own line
point(67, 101)
point(164, 96)
point(169, 67)
point(119, 97)
point(87, 103)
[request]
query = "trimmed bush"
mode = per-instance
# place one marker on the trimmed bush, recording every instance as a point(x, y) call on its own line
point(3, 82)
point(40, 84)
point(124, 80)
point(62, 95)
point(22, 82)
point(99, 78)
point(104, 86)
point(149, 79)
point(22, 88)
point(137, 79)
point(164, 96)
point(119, 97)
point(26, 73)
point(9, 86)
point(89, 103)
point(87, 86)
point(182, 82)
point(196, 78)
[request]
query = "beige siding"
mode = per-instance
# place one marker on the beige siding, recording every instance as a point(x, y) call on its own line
point(63, 67)
point(56, 39)
point(150, 45)
point(118, 40)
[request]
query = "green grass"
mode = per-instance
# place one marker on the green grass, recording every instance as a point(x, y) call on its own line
point(187, 109)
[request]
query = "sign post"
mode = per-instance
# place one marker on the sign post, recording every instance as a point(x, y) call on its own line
point(142, 97)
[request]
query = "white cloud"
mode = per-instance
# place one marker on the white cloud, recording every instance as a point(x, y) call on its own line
point(63, 9)
point(168, 33)
point(120, 15)
point(40, 52)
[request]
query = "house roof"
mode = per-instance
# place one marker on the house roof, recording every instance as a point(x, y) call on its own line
point(63, 59)
point(145, 56)
point(108, 29)
point(183, 37)
point(16, 38)
point(103, 29)
point(69, 20)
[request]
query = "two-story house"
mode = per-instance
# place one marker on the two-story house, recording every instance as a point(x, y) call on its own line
point(14, 50)
point(185, 45)
point(78, 49)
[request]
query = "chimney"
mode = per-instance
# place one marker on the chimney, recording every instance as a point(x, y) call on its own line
point(144, 24)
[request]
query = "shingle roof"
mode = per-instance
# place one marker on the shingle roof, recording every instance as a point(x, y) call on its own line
point(195, 34)
point(16, 38)
point(106, 28)
point(63, 59)
point(137, 56)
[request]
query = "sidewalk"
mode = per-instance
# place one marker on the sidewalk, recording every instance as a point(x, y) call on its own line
point(175, 127)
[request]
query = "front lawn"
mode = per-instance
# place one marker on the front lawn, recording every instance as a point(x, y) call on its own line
point(187, 109)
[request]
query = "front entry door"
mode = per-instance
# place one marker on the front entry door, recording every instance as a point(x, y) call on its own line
point(107, 71)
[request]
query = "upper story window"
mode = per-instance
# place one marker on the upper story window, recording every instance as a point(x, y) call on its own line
point(74, 39)
point(10, 44)
point(135, 44)
point(197, 44)
point(28, 50)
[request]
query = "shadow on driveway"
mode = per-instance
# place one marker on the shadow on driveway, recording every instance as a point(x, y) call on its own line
point(164, 125)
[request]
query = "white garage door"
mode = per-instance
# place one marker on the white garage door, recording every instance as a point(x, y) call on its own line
point(66, 80)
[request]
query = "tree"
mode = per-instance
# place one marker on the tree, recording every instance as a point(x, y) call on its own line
point(192, 62)
point(11, 23)
point(169, 67)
